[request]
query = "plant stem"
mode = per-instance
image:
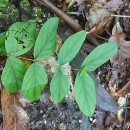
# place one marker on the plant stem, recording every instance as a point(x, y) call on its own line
point(75, 13)
point(19, 57)
point(72, 23)
point(26, 58)
point(3, 55)
point(74, 69)
point(99, 36)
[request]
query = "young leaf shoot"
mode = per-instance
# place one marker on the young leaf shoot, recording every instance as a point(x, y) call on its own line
point(46, 41)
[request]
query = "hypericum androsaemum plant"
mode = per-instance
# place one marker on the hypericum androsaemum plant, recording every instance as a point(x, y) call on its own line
point(21, 37)
point(84, 88)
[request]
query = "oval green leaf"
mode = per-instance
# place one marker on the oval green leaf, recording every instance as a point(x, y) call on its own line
point(21, 37)
point(99, 56)
point(12, 75)
point(46, 41)
point(2, 43)
point(85, 94)
point(71, 47)
point(59, 86)
point(34, 82)
point(3, 3)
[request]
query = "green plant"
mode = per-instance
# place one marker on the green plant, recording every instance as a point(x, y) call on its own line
point(84, 87)
point(3, 4)
point(2, 43)
point(21, 37)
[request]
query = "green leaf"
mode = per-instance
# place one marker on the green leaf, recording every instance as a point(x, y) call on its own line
point(3, 3)
point(99, 56)
point(46, 41)
point(21, 37)
point(12, 75)
point(2, 43)
point(59, 86)
point(34, 82)
point(71, 47)
point(85, 94)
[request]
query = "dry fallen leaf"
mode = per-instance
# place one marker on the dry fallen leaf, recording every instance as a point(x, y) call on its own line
point(119, 36)
point(14, 116)
point(111, 120)
point(102, 26)
point(120, 65)
point(8, 110)
point(97, 17)
point(124, 47)
point(117, 28)
point(123, 91)
point(114, 5)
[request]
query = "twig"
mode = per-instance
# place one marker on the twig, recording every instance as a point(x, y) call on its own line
point(123, 16)
point(26, 59)
point(99, 36)
point(33, 60)
point(46, 114)
point(74, 69)
point(73, 24)
point(75, 13)
point(6, 55)
point(108, 32)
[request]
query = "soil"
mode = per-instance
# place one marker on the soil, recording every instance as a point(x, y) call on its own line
point(47, 116)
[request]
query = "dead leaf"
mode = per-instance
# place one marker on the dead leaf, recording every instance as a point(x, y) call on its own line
point(97, 17)
point(22, 118)
point(85, 124)
point(8, 110)
point(122, 92)
point(124, 47)
point(104, 100)
point(126, 21)
point(102, 26)
point(111, 120)
point(117, 28)
point(14, 116)
point(114, 5)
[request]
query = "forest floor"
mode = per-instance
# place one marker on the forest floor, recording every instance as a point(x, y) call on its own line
point(106, 21)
